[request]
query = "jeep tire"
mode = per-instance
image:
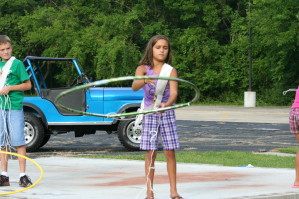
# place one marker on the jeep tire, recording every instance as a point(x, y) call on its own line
point(45, 140)
point(128, 136)
point(34, 132)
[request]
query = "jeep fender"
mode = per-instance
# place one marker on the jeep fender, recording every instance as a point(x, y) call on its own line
point(28, 107)
point(128, 108)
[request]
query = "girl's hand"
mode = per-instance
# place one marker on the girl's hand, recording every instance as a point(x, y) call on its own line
point(149, 81)
point(161, 105)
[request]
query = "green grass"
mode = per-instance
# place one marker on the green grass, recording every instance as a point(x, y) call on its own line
point(291, 150)
point(225, 158)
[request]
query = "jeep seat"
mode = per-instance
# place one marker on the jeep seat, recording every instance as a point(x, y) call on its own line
point(75, 100)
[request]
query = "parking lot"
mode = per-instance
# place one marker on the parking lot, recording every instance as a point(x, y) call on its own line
point(233, 128)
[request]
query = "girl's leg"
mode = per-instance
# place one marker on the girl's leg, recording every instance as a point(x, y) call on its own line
point(297, 163)
point(150, 172)
point(171, 169)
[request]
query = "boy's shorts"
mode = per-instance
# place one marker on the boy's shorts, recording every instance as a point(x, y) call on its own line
point(294, 120)
point(154, 125)
point(12, 128)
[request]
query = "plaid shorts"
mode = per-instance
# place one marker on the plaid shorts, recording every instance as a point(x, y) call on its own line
point(294, 120)
point(155, 125)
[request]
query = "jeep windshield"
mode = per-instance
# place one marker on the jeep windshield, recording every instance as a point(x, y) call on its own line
point(55, 72)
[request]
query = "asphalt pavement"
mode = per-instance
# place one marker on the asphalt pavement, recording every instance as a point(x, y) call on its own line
point(76, 178)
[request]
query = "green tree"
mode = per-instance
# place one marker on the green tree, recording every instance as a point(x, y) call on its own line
point(209, 39)
point(275, 47)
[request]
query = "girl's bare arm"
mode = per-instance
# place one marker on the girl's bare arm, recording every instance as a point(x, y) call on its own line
point(139, 83)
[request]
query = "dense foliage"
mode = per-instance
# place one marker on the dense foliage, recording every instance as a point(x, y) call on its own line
point(209, 39)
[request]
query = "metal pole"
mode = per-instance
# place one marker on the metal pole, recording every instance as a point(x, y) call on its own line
point(250, 48)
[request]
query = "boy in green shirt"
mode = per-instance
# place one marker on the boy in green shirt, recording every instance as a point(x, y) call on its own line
point(14, 81)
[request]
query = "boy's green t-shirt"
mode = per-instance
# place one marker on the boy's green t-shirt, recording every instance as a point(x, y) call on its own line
point(17, 75)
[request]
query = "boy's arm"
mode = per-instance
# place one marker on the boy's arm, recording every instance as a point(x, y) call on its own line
point(26, 85)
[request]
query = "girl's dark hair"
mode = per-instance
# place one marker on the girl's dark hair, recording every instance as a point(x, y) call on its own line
point(148, 55)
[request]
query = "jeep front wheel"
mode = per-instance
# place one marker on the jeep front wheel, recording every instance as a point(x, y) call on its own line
point(129, 135)
point(34, 132)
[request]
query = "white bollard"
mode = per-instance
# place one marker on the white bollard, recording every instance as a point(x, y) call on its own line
point(250, 99)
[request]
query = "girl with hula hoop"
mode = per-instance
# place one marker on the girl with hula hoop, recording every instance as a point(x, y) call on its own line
point(157, 54)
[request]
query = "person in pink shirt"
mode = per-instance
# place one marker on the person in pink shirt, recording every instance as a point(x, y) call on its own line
point(294, 128)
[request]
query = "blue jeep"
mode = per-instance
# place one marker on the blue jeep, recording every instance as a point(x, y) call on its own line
point(43, 118)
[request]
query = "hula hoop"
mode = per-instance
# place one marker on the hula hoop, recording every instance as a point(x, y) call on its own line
point(106, 81)
point(291, 89)
point(36, 164)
